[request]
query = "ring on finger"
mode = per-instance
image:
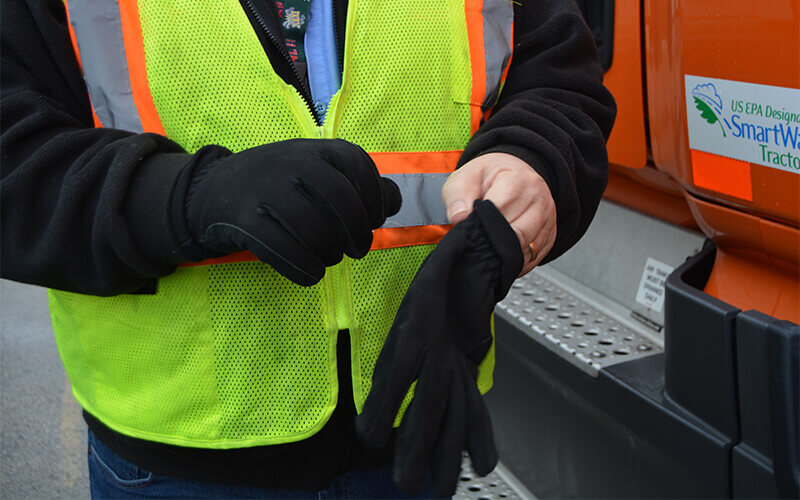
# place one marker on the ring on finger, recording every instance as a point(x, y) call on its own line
point(534, 251)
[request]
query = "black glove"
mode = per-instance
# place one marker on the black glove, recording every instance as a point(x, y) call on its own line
point(439, 337)
point(298, 205)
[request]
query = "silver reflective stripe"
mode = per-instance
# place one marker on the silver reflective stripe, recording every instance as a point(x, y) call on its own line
point(98, 31)
point(498, 20)
point(422, 200)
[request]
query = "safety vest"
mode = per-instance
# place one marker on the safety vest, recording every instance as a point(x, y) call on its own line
point(228, 353)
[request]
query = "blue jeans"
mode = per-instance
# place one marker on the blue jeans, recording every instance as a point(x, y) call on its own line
point(111, 476)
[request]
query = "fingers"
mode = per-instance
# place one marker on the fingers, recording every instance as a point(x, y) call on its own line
point(422, 315)
point(373, 190)
point(339, 208)
point(525, 200)
point(397, 367)
point(522, 197)
point(463, 187)
point(447, 453)
point(389, 388)
point(421, 426)
point(517, 190)
point(480, 437)
point(286, 255)
point(543, 242)
point(537, 225)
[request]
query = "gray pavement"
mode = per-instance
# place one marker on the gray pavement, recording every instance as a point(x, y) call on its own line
point(42, 434)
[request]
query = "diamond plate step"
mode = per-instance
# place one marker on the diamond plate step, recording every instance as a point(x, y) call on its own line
point(499, 485)
point(571, 327)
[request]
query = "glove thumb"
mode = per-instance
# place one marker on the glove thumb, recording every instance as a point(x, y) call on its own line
point(392, 200)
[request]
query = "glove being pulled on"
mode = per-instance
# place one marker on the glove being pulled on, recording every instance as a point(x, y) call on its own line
point(297, 205)
point(439, 337)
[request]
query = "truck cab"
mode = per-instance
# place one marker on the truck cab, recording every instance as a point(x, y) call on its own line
point(660, 357)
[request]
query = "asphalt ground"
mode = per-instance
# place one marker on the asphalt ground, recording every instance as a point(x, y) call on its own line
point(42, 434)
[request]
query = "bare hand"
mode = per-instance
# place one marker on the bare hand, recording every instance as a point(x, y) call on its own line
point(517, 190)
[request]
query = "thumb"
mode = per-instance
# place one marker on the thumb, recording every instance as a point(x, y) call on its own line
point(460, 190)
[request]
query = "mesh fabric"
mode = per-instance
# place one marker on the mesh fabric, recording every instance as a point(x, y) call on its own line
point(234, 355)
point(215, 359)
point(210, 78)
point(409, 100)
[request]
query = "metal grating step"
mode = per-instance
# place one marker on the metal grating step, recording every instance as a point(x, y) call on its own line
point(571, 327)
point(499, 485)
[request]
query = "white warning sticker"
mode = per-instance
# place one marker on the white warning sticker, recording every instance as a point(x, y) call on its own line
point(651, 286)
point(745, 121)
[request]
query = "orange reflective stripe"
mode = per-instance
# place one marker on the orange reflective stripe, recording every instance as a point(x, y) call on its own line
point(474, 17)
point(96, 119)
point(422, 162)
point(394, 237)
point(490, 33)
point(228, 259)
point(722, 175)
point(382, 238)
point(137, 68)
point(386, 237)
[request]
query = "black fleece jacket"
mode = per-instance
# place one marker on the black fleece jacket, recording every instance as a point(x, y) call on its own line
point(86, 210)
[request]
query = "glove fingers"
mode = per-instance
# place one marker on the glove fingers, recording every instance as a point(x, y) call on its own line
point(480, 437)
point(504, 241)
point(392, 200)
point(421, 427)
point(356, 164)
point(318, 235)
point(421, 317)
point(286, 256)
point(397, 367)
point(400, 361)
point(447, 454)
point(340, 207)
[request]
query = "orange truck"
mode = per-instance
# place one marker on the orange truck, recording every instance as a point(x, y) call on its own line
point(661, 356)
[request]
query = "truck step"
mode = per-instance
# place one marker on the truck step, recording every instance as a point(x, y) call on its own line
point(570, 326)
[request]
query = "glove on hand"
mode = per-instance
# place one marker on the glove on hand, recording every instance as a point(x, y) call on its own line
point(439, 337)
point(297, 205)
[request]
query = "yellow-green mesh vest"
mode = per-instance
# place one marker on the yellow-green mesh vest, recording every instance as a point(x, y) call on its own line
point(234, 355)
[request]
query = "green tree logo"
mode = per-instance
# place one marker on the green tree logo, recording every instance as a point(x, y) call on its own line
point(709, 103)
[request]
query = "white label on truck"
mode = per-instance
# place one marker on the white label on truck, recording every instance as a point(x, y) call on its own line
point(651, 287)
point(745, 121)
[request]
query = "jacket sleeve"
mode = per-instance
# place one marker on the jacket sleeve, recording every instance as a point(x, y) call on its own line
point(83, 209)
point(554, 112)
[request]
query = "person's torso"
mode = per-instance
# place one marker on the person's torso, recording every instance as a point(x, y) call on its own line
point(228, 353)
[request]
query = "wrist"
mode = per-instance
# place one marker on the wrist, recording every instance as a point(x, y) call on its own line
point(147, 207)
point(187, 228)
point(154, 206)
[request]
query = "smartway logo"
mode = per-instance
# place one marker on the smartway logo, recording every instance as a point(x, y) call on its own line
point(746, 121)
point(708, 101)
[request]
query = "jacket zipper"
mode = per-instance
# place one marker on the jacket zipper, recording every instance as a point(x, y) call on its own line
point(337, 287)
point(337, 277)
point(304, 93)
point(339, 49)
